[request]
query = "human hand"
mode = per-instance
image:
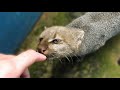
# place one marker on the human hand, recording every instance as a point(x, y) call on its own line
point(12, 66)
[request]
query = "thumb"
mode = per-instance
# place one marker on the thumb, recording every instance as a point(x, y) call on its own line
point(27, 58)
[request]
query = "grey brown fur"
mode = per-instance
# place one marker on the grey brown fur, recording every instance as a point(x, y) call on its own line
point(98, 28)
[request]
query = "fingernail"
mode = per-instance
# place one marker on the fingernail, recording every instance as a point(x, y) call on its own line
point(42, 57)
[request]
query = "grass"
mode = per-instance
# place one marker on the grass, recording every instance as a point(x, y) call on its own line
point(100, 64)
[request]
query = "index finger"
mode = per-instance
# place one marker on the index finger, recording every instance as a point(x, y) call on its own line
point(25, 59)
point(4, 56)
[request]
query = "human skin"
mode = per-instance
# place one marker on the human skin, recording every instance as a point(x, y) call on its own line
point(16, 66)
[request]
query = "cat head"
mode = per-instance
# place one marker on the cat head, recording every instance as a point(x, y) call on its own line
point(59, 41)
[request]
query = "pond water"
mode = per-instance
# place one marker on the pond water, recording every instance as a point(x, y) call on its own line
point(14, 27)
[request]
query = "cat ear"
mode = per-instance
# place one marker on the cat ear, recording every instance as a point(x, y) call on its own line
point(79, 36)
point(45, 27)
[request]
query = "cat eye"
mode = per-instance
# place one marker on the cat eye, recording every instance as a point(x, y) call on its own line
point(40, 39)
point(56, 41)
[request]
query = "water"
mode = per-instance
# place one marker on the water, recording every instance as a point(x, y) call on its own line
point(14, 27)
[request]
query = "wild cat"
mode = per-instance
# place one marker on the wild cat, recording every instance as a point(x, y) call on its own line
point(82, 36)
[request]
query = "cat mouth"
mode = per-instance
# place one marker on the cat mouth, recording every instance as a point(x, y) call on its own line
point(52, 55)
point(49, 56)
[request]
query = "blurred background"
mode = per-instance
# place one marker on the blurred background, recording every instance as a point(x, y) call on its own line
point(104, 63)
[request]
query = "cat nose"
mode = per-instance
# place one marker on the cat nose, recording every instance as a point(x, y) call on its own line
point(41, 50)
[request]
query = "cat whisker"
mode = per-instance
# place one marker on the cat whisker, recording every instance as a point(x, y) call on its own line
point(68, 54)
point(67, 58)
point(78, 59)
point(71, 58)
point(60, 61)
point(53, 55)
